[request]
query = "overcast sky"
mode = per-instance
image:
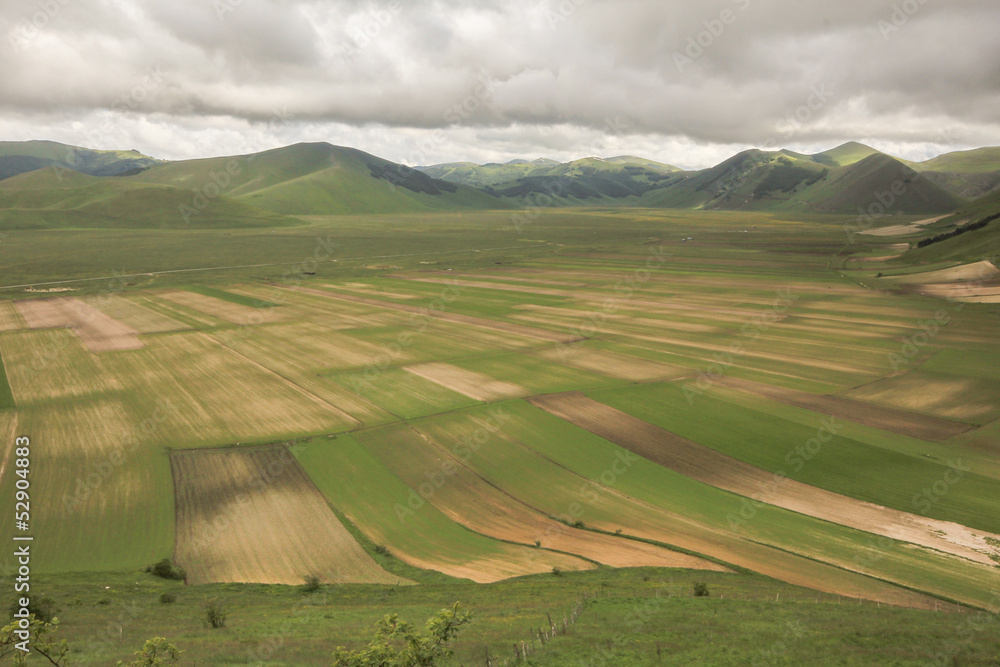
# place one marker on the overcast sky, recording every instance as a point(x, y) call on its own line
point(428, 81)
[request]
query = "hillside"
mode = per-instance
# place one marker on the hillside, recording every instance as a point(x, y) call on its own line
point(18, 157)
point(587, 181)
point(319, 179)
point(52, 198)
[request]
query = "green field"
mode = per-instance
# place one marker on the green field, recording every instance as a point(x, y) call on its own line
point(312, 332)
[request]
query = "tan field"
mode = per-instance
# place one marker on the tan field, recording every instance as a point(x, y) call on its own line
point(53, 363)
point(233, 313)
point(711, 467)
point(896, 420)
point(253, 516)
point(983, 270)
point(98, 331)
point(474, 385)
point(128, 311)
point(611, 364)
point(10, 317)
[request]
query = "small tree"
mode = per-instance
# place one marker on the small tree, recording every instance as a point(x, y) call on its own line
point(166, 570)
point(701, 590)
point(311, 583)
point(156, 651)
point(42, 643)
point(417, 650)
point(215, 614)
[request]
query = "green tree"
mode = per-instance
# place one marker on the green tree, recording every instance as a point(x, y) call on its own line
point(156, 651)
point(415, 650)
point(41, 641)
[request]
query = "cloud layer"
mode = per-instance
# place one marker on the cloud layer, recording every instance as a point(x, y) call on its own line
point(445, 80)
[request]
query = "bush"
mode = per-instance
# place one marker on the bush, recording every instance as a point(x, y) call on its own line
point(166, 570)
point(383, 550)
point(167, 598)
point(42, 607)
point(156, 651)
point(311, 583)
point(556, 571)
point(427, 649)
point(701, 590)
point(215, 614)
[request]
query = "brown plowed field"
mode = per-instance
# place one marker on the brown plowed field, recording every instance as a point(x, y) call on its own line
point(98, 331)
point(252, 515)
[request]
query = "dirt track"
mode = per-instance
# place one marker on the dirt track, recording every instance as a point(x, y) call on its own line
point(711, 467)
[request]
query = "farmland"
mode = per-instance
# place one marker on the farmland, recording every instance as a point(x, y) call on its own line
point(424, 407)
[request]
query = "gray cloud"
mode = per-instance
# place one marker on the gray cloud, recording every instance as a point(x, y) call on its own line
point(436, 80)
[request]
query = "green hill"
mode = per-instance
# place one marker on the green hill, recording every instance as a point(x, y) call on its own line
point(18, 157)
point(52, 198)
point(979, 160)
point(845, 154)
point(319, 179)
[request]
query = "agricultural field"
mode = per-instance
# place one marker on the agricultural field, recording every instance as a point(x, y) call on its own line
point(583, 399)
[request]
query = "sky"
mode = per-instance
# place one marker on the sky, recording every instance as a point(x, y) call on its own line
point(422, 82)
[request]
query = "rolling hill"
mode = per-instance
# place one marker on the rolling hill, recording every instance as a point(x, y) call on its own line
point(319, 179)
point(839, 180)
point(18, 157)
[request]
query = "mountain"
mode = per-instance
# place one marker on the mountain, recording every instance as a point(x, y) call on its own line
point(319, 179)
point(845, 154)
point(586, 181)
point(261, 189)
point(56, 198)
point(18, 157)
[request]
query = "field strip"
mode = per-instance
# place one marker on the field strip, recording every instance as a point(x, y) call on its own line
point(982, 270)
point(711, 467)
point(472, 501)
point(10, 318)
point(98, 331)
point(8, 431)
point(484, 285)
point(612, 364)
point(288, 381)
point(253, 516)
point(470, 383)
point(886, 418)
point(494, 325)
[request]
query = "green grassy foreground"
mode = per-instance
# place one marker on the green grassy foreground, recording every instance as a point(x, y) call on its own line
point(643, 616)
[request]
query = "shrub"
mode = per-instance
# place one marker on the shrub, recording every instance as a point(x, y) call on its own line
point(42, 607)
point(167, 598)
point(556, 571)
point(383, 550)
point(215, 614)
point(167, 570)
point(156, 651)
point(427, 649)
point(311, 583)
point(701, 590)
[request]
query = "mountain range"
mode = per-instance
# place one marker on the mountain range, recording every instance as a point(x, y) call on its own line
point(50, 185)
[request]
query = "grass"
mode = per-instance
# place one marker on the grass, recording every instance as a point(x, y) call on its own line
point(770, 440)
point(6, 395)
point(625, 615)
point(230, 296)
